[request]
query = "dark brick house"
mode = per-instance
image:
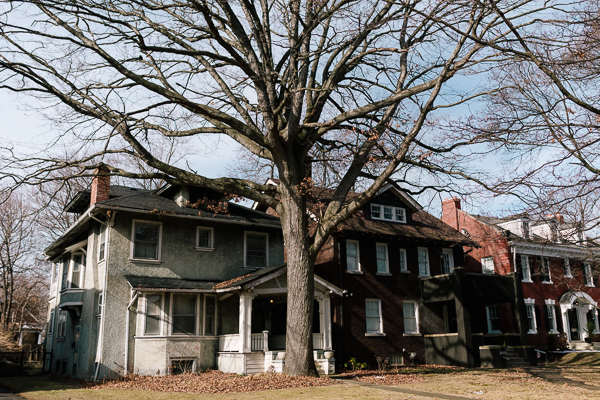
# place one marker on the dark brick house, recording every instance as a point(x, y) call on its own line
point(554, 265)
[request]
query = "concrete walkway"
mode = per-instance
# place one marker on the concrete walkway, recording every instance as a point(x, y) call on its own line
point(8, 395)
point(406, 391)
point(553, 374)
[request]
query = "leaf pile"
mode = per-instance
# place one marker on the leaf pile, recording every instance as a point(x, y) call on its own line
point(213, 382)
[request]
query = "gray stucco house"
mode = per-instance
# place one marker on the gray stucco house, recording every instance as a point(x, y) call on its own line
point(172, 280)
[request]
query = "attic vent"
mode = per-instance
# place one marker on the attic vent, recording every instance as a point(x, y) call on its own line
point(465, 232)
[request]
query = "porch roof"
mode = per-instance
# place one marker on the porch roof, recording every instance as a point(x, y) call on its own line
point(152, 283)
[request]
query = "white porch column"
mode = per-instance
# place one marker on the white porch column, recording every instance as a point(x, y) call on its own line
point(325, 305)
point(245, 330)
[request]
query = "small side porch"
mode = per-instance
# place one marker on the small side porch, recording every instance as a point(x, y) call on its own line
point(257, 343)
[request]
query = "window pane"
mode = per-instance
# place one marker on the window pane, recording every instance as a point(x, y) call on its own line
point(146, 241)
point(373, 318)
point(381, 258)
point(256, 250)
point(423, 270)
point(351, 256)
point(410, 320)
point(402, 260)
point(375, 211)
point(387, 212)
point(372, 324)
point(204, 238)
point(184, 314)
point(400, 214)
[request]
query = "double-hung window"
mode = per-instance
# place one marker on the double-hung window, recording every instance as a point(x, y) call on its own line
point(487, 265)
point(62, 324)
point(525, 269)
point(567, 268)
point(403, 264)
point(153, 314)
point(352, 256)
point(51, 323)
point(184, 314)
point(256, 245)
point(210, 315)
point(551, 313)
point(146, 241)
point(204, 238)
point(447, 261)
point(388, 213)
point(382, 258)
point(373, 316)
point(423, 255)
point(77, 261)
point(493, 319)
point(587, 275)
point(65, 274)
point(546, 270)
point(409, 309)
point(531, 323)
point(102, 244)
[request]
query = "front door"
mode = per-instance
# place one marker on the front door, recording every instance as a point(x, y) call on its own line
point(573, 324)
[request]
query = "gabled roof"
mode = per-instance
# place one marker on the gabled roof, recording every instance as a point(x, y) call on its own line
point(171, 284)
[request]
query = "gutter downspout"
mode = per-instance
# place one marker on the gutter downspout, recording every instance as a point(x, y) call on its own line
point(126, 354)
point(514, 251)
point(103, 314)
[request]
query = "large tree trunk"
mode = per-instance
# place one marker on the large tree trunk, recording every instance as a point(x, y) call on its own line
point(300, 283)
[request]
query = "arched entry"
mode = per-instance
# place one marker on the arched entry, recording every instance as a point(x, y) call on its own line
point(576, 309)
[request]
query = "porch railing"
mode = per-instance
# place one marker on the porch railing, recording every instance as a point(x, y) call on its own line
point(317, 341)
point(259, 341)
point(229, 342)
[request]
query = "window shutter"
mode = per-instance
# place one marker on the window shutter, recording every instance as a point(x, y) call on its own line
point(545, 309)
point(538, 318)
point(559, 324)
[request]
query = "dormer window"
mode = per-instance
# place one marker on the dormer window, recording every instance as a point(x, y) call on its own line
point(388, 213)
point(526, 229)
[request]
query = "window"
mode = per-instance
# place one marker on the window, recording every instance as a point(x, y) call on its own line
point(447, 261)
point(388, 213)
point(256, 246)
point(382, 258)
point(545, 270)
point(54, 272)
point(102, 243)
point(551, 313)
point(204, 238)
point(487, 265)
point(51, 323)
point(62, 324)
point(526, 229)
point(352, 256)
point(409, 309)
point(587, 275)
point(146, 241)
point(403, 265)
point(100, 303)
point(493, 319)
point(465, 232)
point(76, 266)
point(183, 366)
point(526, 269)
point(184, 314)
point(65, 274)
point(531, 324)
point(423, 261)
point(373, 316)
point(567, 268)
point(210, 313)
point(153, 307)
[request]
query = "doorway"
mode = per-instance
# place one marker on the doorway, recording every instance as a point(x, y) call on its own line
point(573, 318)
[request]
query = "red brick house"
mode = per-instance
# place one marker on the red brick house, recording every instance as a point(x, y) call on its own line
point(551, 259)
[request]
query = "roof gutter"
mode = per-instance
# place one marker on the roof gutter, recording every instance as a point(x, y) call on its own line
point(84, 217)
point(195, 217)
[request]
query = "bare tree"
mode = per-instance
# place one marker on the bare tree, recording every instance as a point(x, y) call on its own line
point(343, 81)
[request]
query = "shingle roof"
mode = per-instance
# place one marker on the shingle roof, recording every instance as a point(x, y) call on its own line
point(244, 279)
point(152, 283)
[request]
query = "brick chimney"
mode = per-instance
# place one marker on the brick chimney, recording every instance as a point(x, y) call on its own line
point(450, 209)
point(100, 185)
point(560, 218)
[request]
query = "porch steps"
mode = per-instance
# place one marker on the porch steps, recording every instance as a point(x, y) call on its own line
point(581, 346)
point(255, 363)
point(513, 360)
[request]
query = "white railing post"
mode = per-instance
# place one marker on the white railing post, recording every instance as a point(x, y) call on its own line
point(326, 326)
point(265, 340)
point(245, 345)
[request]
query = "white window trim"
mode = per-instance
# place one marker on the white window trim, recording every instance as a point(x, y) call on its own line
point(428, 266)
point(211, 236)
point(70, 264)
point(51, 323)
point(132, 244)
point(489, 322)
point(61, 329)
point(567, 267)
point(387, 260)
point(105, 228)
point(171, 315)
point(531, 303)
point(546, 265)
point(381, 218)
point(204, 315)
point(358, 266)
point(550, 305)
point(266, 235)
point(450, 259)
point(161, 314)
point(525, 260)
point(416, 331)
point(486, 271)
point(380, 331)
point(405, 268)
point(587, 271)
